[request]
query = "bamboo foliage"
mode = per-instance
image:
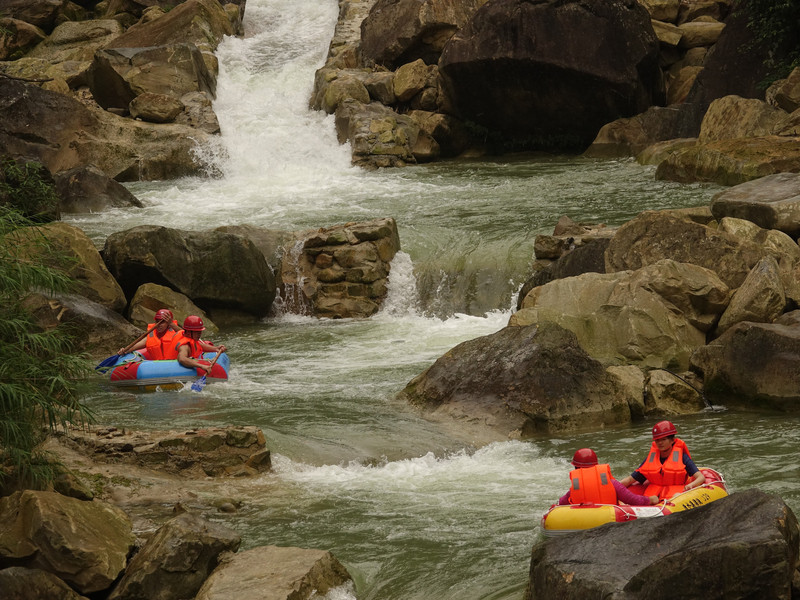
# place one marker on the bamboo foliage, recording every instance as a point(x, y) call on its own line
point(39, 375)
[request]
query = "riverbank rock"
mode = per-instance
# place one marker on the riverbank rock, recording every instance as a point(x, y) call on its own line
point(341, 271)
point(84, 543)
point(648, 558)
point(753, 365)
point(209, 452)
point(519, 382)
point(288, 573)
point(217, 271)
point(176, 561)
point(552, 72)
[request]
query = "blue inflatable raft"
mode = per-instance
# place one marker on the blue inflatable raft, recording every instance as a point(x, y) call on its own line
point(134, 371)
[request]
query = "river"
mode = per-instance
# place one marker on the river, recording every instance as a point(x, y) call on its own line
point(411, 511)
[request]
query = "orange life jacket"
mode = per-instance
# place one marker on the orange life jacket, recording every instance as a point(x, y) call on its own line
point(667, 478)
point(195, 351)
point(592, 485)
point(160, 347)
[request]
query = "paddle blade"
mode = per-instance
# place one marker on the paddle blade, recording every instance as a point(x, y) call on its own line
point(197, 386)
point(109, 362)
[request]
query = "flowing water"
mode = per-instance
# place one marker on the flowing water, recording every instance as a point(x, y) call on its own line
point(413, 511)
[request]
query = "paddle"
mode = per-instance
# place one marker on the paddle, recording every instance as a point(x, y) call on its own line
point(197, 386)
point(112, 359)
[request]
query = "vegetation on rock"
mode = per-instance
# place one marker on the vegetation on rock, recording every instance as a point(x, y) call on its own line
point(39, 375)
point(776, 24)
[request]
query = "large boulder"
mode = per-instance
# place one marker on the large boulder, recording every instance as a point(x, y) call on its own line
point(150, 297)
point(21, 583)
point(396, 32)
point(119, 75)
point(630, 136)
point(519, 382)
point(772, 202)
point(754, 365)
point(77, 40)
point(63, 134)
point(75, 254)
point(217, 271)
point(734, 117)
point(652, 558)
point(655, 316)
point(552, 73)
point(84, 543)
point(341, 271)
point(175, 562)
point(761, 298)
point(41, 13)
point(87, 189)
point(18, 38)
point(274, 572)
point(652, 236)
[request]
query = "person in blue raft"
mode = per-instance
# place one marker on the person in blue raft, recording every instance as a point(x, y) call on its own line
point(668, 468)
point(592, 483)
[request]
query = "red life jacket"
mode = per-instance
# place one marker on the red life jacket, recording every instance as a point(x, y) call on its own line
point(195, 351)
point(592, 485)
point(667, 478)
point(160, 347)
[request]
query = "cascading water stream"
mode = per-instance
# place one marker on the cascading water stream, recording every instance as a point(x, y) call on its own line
point(412, 510)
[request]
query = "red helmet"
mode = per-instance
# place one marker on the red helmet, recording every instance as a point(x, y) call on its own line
point(585, 457)
point(163, 314)
point(193, 323)
point(663, 429)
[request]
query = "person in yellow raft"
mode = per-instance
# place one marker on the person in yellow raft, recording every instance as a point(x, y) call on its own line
point(160, 335)
point(592, 483)
point(189, 347)
point(668, 468)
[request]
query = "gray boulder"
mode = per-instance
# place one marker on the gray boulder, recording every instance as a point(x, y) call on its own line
point(87, 189)
point(753, 365)
point(41, 13)
point(519, 382)
point(552, 72)
point(175, 562)
point(217, 271)
point(742, 546)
